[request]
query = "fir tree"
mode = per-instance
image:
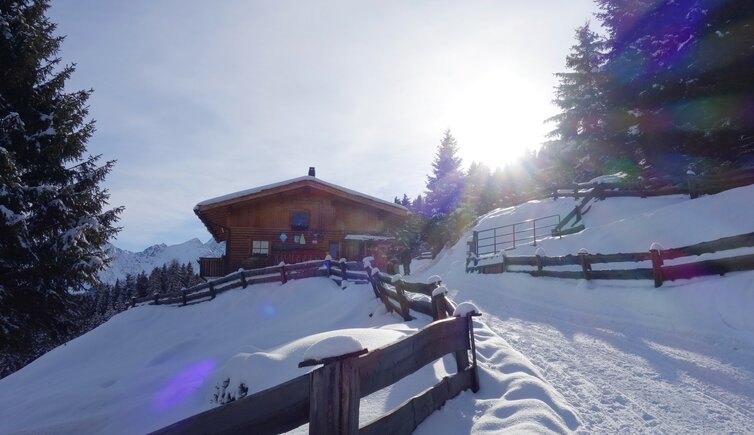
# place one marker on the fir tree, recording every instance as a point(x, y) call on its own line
point(578, 146)
point(475, 200)
point(405, 201)
point(679, 77)
point(417, 205)
point(53, 216)
point(445, 185)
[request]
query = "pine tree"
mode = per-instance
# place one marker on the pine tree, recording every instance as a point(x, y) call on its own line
point(417, 205)
point(445, 185)
point(53, 221)
point(578, 148)
point(474, 198)
point(405, 201)
point(679, 77)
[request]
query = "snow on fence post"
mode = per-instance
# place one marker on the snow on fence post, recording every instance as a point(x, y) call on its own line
point(328, 265)
point(283, 278)
point(586, 265)
point(438, 303)
point(156, 298)
point(343, 271)
point(468, 310)
point(244, 284)
point(691, 181)
point(334, 388)
point(655, 250)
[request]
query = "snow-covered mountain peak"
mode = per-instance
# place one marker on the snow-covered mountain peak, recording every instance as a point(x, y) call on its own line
point(127, 262)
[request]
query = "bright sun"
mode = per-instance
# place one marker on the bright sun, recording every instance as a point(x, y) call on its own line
point(497, 119)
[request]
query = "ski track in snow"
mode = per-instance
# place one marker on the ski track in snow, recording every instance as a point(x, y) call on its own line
point(625, 378)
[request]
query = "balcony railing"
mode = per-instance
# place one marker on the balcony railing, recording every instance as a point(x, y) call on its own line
point(211, 267)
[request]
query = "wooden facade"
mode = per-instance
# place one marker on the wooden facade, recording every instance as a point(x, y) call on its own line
point(293, 221)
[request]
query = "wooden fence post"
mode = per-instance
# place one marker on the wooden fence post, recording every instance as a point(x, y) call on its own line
point(283, 278)
point(476, 244)
point(343, 272)
point(655, 252)
point(212, 293)
point(183, 295)
point(691, 181)
point(403, 303)
point(438, 303)
point(371, 281)
point(334, 395)
point(505, 263)
point(133, 301)
point(600, 192)
point(540, 253)
point(475, 377)
point(328, 265)
point(586, 265)
point(244, 284)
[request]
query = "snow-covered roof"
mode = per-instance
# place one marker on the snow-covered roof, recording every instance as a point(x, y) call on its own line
point(259, 189)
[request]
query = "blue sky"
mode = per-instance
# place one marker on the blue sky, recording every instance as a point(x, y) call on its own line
point(198, 99)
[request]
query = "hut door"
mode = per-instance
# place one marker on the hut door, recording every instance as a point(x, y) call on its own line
point(334, 251)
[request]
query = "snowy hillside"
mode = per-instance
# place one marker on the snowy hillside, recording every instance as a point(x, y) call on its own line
point(555, 355)
point(152, 365)
point(127, 262)
point(630, 357)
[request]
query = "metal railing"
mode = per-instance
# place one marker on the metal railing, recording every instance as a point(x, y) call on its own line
point(506, 237)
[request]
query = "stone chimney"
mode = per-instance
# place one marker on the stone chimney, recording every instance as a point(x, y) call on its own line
point(311, 171)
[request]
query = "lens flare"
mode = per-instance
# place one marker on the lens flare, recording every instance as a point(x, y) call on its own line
point(182, 385)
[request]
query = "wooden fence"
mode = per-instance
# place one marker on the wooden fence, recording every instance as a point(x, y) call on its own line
point(328, 397)
point(659, 272)
point(692, 185)
point(243, 278)
point(401, 297)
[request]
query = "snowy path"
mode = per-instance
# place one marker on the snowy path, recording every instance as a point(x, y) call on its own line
point(625, 377)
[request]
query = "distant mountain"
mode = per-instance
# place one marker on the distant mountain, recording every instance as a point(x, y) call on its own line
point(125, 262)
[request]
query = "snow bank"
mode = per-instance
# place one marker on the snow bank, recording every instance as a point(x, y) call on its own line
point(251, 372)
point(627, 356)
point(513, 397)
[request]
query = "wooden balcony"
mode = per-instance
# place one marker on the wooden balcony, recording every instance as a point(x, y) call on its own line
point(210, 267)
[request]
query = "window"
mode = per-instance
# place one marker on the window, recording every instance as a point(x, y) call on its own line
point(300, 220)
point(260, 247)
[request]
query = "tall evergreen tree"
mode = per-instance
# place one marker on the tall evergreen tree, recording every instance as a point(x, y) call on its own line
point(53, 216)
point(679, 78)
point(475, 199)
point(577, 147)
point(445, 185)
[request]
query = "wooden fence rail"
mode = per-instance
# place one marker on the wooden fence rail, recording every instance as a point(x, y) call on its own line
point(291, 404)
point(659, 271)
point(280, 273)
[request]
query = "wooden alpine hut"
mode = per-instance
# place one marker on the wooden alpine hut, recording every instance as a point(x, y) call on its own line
point(296, 220)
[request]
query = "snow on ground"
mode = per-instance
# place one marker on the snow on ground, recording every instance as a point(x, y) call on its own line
point(622, 356)
point(630, 358)
point(153, 365)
